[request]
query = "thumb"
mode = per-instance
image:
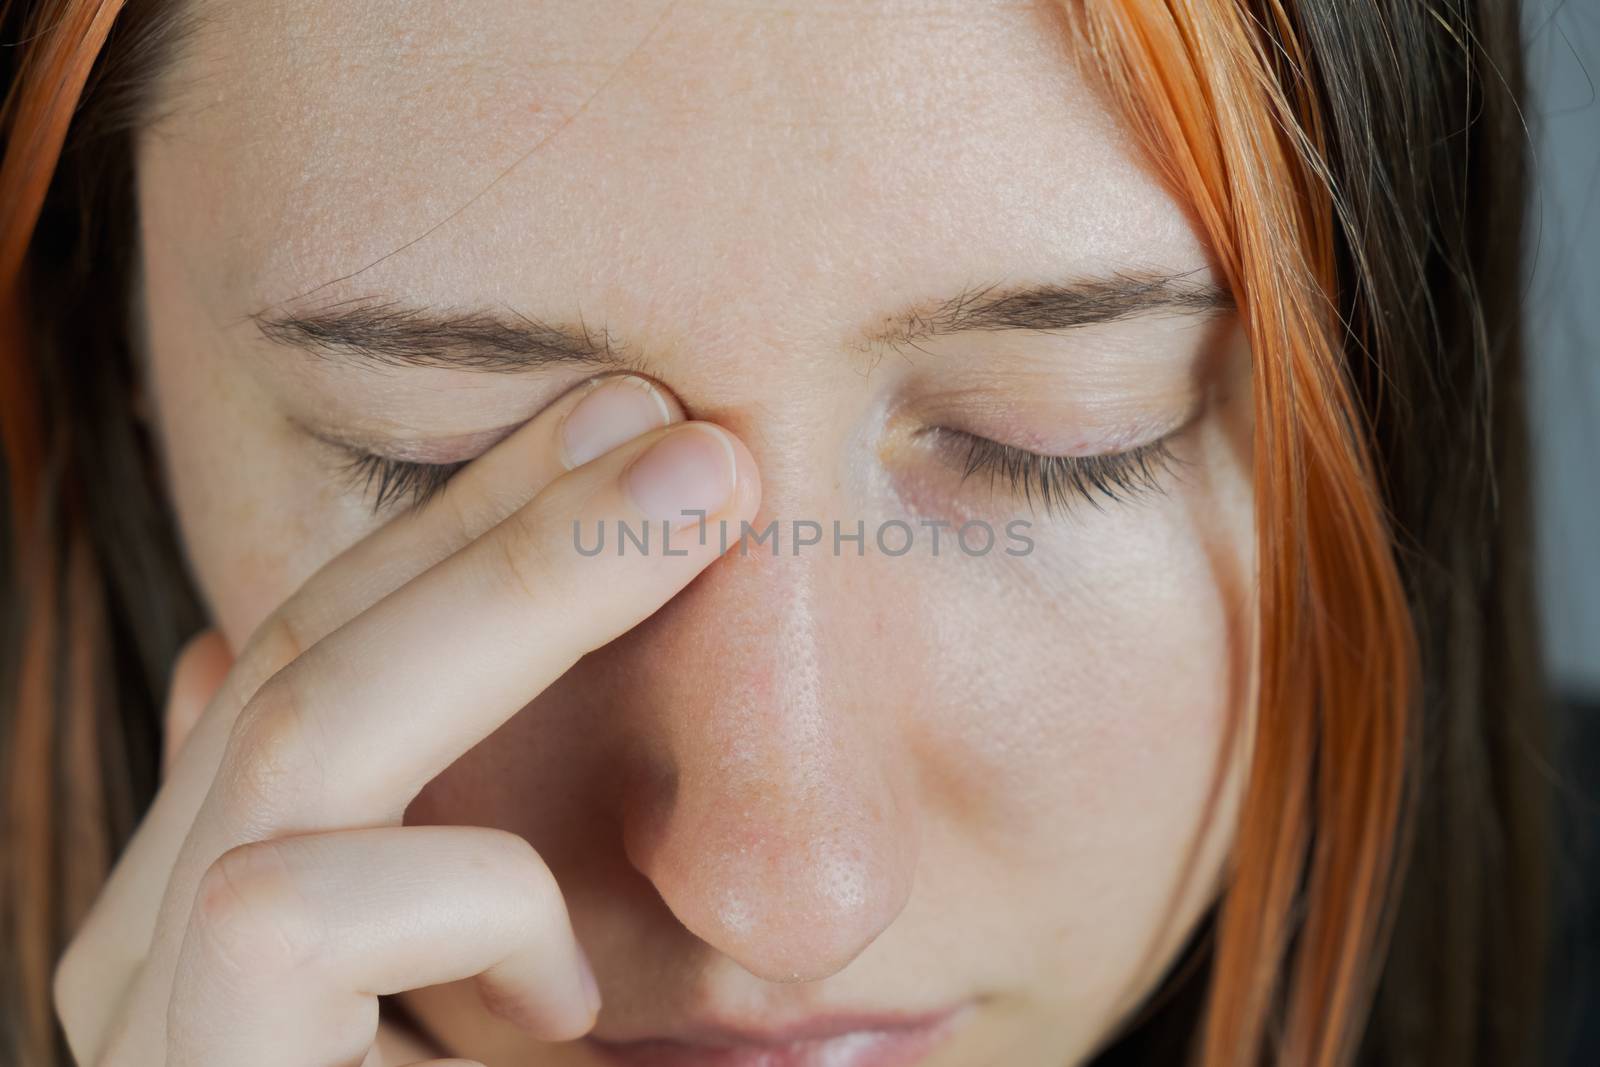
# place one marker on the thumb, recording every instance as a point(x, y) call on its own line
point(197, 674)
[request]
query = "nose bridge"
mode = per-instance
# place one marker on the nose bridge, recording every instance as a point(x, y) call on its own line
point(773, 827)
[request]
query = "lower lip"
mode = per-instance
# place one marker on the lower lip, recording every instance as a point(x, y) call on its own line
point(899, 1047)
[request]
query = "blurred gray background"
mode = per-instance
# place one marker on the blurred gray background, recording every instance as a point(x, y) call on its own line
point(1564, 329)
point(1563, 321)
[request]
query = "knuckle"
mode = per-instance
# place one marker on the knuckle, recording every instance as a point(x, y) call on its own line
point(250, 916)
point(523, 883)
point(278, 642)
point(469, 509)
point(524, 557)
point(520, 864)
point(271, 761)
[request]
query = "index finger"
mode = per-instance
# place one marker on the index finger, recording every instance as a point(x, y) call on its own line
point(117, 933)
point(351, 731)
point(332, 742)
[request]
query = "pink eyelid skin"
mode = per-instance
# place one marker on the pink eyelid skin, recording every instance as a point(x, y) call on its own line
point(437, 451)
point(1096, 430)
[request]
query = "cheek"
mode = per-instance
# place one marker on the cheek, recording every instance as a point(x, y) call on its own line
point(237, 543)
point(249, 537)
point(255, 516)
point(1079, 696)
point(1093, 680)
point(1090, 706)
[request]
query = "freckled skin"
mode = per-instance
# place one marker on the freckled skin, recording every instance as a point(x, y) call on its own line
point(809, 782)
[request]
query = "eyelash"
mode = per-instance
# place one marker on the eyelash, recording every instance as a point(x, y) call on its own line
point(1057, 481)
point(396, 479)
point(1060, 482)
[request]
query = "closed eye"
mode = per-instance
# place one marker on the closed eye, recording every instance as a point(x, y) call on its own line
point(392, 482)
point(1058, 483)
point(1053, 482)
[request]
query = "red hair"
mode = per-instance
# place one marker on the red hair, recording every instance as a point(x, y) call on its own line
point(1315, 852)
point(37, 114)
point(1218, 100)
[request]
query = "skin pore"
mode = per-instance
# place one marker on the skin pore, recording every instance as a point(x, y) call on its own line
point(813, 783)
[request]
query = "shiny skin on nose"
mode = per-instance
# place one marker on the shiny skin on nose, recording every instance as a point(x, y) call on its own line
point(775, 826)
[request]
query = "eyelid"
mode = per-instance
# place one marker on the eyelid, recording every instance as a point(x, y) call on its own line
point(1049, 423)
point(430, 452)
point(397, 479)
point(1061, 481)
point(390, 468)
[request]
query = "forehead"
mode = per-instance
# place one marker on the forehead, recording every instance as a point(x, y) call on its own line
point(652, 155)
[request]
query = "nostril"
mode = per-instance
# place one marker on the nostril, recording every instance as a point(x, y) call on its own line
point(769, 794)
point(786, 909)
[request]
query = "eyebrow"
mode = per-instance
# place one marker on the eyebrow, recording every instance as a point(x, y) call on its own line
point(1068, 306)
point(394, 334)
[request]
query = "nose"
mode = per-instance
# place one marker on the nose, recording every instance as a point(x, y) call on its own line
point(772, 817)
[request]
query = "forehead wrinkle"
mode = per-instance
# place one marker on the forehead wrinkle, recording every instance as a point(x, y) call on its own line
point(655, 197)
point(296, 103)
point(539, 143)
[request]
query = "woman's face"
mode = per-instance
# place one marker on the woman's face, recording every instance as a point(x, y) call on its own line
point(831, 779)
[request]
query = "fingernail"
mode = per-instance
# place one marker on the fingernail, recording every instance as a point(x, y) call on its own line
point(689, 472)
point(616, 410)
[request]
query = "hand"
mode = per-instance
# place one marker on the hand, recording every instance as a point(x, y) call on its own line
point(271, 893)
